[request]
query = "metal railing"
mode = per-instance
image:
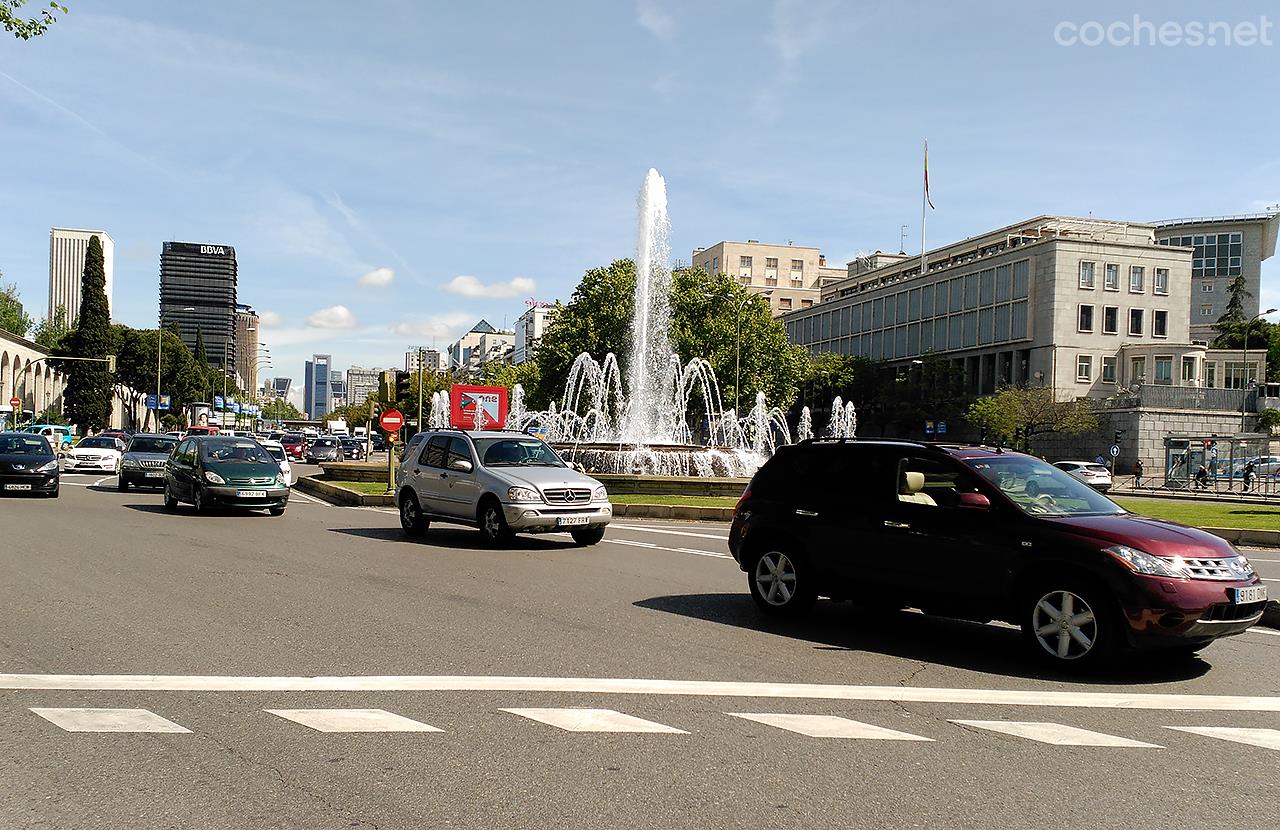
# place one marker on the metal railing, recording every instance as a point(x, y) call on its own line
point(1185, 397)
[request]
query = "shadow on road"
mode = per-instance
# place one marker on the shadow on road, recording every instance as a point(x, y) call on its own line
point(452, 538)
point(966, 645)
point(188, 510)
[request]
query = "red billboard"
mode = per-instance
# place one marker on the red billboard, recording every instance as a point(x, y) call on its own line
point(478, 407)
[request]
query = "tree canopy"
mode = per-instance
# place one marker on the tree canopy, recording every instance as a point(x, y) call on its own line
point(13, 318)
point(51, 333)
point(29, 27)
point(88, 393)
point(1015, 414)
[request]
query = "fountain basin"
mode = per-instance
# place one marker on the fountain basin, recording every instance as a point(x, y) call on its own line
point(663, 459)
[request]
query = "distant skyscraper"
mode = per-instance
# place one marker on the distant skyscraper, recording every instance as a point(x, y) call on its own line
point(203, 278)
point(432, 360)
point(317, 388)
point(361, 383)
point(67, 247)
point(281, 386)
point(247, 346)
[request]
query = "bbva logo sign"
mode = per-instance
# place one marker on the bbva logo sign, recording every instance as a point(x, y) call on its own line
point(213, 249)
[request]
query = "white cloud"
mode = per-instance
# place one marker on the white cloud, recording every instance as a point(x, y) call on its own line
point(445, 325)
point(333, 317)
point(656, 19)
point(268, 319)
point(378, 276)
point(469, 286)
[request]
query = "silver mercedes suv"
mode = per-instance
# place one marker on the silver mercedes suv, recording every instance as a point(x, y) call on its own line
point(499, 482)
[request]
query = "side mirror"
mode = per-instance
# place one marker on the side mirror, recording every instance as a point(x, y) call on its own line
point(974, 501)
point(461, 465)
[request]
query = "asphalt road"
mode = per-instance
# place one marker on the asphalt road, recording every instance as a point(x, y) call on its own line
point(219, 629)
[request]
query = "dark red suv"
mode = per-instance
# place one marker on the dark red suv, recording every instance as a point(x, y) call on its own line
point(956, 531)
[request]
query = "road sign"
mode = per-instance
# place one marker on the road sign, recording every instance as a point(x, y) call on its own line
point(391, 420)
point(14, 403)
point(393, 437)
point(1115, 450)
point(942, 427)
point(217, 402)
point(929, 427)
point(151, 401)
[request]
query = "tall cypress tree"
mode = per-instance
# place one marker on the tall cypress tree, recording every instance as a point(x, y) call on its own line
point(87, 398)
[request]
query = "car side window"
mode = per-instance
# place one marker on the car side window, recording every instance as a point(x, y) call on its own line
point(433, 455)
point(180, 454)
point(931, 482)
point(458, 451)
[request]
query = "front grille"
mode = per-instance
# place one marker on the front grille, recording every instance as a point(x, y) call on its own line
point(1210, 569)
point(1230, 613)
point(149, 463)
point(567, 495)
point(254, 480)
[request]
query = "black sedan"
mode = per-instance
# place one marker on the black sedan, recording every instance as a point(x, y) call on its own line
point(27, 464)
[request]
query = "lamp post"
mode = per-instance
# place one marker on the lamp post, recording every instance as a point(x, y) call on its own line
point(737, 324)
point(1244, 394)
point(159, 350)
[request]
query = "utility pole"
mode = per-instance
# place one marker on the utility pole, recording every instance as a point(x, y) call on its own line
point(420, 425)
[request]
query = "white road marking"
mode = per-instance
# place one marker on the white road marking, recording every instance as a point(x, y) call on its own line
point(668, 532)
point(828, 726)
point(1055, 733)
point(352, 720)
point(298, 494)
point(1265, 738)
point(594, 720)
point(108, 720)
point(1270, 631)
point(638, 686)
point(650, 545)
point(1265, 579)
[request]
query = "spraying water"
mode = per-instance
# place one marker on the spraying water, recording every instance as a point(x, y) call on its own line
point(651, 317)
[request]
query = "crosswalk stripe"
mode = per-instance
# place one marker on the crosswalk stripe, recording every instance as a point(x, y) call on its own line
point(1054, 733)
point(1265, 738)
point(593, 720)
point(352, 720)
point(828, 726)
point(107, 720)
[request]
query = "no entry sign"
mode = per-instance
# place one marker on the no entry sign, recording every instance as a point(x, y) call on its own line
point(391, 420)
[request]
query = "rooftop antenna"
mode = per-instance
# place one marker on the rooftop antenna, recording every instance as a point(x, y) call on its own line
point(902, 241)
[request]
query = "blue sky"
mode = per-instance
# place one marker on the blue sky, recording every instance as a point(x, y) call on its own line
point(505, 142)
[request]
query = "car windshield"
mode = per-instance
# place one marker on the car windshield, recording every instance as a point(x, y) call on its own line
point(1040, 489)
point(276, 452)
point(326, 442)
point(24, 445)
point(292, 438)
point(511, 452)
point(234, 451)
point(162, 446)
point(1097, 468)
point(99, 443)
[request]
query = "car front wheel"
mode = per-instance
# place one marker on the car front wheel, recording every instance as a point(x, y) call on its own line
point(587, 536)
point(493, 524)
point(411, 519)
point(1070, 624)
point(170, 503)
point(781, 581)
point(122, 485)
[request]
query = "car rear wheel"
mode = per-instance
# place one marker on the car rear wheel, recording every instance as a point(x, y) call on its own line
point(493, 524)
point(411, 519)
point(1070, 624)
point(781, 581)
point(587, 536)
point(276, 511)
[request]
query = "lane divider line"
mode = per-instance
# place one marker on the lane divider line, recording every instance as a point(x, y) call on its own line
point(669, 532)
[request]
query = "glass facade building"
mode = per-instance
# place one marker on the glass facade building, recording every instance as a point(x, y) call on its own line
point(202, 278)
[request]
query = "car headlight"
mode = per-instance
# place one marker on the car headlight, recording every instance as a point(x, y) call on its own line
point(1239, 566)
point(522, 494)
point(280, 482)
point(50, 467)
point(1144, 563)
point(213, 478)
point(129, 462)
point(600, 494)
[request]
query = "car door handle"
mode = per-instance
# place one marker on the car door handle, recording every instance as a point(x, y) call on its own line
point(444, 475)
point(806, 512)
point(897, 525)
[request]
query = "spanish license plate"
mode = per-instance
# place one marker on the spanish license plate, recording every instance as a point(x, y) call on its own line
point(251, 494)
point(566, 521)
point(1244, 596)
point(155, 473)
point(17, 487)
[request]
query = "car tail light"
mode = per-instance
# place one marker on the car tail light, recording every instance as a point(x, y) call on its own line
point(746, 494)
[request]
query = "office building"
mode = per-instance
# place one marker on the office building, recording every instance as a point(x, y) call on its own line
point(1223, 248)
point(337, 390)
point(67, 249)
point(478, 346)
point(247, 346)
point(361, 384)
point(202, 278)
point(793, 275)
point(530, 327)
point(317, 400)
point(432, 360)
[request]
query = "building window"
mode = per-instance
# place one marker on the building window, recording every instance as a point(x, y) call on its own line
point(1159, 324)
point(1108, 370)
point(806, 303)
point(1215, 255)
point(1086, 274)
point(1137, 279)
point(1188, 370)
point(1138, 370)
point(1162, 281)
point(715, 266)
point(744, 267)
point(1111, 278)
point(784, 303)
point(1206, 310)
point(771, 269)
point(706, 266)
point(771, 262)
point(1237, 375)
point(1164, 370)
point(1085, 319)
point(768, 280)
point(1210, 374)
point(1111, 319)
point(1084, 368)
point(1135, 322)
point(1206, 288)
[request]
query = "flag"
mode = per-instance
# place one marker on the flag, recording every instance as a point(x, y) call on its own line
point(927, 198)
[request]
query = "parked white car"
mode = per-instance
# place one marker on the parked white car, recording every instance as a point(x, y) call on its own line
point(1092, 473)
point(97, 454)
point(276, 450)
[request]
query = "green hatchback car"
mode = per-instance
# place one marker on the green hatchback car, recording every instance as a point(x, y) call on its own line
point(212, 471)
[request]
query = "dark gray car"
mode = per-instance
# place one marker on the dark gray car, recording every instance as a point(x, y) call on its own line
point(142, 464)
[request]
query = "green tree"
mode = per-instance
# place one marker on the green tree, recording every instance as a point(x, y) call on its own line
point(1230, 326)
point(497, 373)
point(51, 333)
point(87, 399)
point(13, 318)
point(180, 377)
point(27, 28)
point(1269, 418)
point(1015, 415)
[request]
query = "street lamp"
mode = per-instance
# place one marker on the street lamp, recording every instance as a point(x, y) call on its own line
point(159, 349)
point(1244, 395)
point(737, 323)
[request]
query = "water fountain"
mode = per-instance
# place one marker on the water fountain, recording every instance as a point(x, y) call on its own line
point(669, 419)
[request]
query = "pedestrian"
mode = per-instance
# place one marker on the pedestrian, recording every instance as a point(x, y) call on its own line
point(1202, 477)
point(1249, 473)
point(1137, 474)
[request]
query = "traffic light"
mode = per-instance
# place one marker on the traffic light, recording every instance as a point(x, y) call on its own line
point(1119, 432)
point(402, 386)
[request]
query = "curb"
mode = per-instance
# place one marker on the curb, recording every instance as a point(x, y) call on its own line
point(1246, 536)
point(334, 494)
point(673, 511)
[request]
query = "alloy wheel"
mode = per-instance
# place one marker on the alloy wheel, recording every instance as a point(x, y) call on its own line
point(776, 578)
point(1064, 625)
point(492, 523)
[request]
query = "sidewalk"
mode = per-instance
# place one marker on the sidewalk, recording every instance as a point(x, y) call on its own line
point(1124, 487)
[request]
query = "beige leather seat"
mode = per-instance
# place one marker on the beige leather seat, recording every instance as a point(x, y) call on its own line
point(910, 491)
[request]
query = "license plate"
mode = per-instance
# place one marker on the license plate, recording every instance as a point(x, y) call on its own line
point(155, 473)
point(251, 494)
point(17, 487)
point(1244, 596)
point(565, 521)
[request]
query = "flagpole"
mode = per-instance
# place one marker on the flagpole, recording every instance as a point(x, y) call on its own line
point(924, 204)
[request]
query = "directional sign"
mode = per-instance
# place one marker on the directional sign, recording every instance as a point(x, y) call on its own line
point(151, 401)
point(217, 402)
point(1115, 450)
point(391, 420)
